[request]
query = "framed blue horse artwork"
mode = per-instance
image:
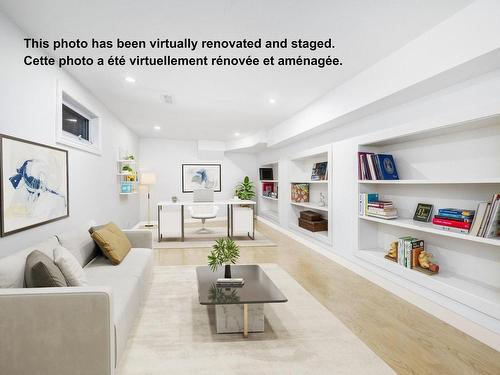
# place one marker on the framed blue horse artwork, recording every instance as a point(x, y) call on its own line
point(34, 184)
point(201, 176)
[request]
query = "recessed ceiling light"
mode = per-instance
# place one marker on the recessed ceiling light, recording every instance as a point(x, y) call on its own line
point(130, 79)
point(272, 100)
point(157, 127)
point(236, 134)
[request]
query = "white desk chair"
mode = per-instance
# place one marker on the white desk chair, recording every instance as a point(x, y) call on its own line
point(203, 212)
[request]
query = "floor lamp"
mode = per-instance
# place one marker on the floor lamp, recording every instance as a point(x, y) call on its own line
point(148, 179)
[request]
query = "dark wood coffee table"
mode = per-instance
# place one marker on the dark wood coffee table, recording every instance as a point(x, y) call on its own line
point(238, 309)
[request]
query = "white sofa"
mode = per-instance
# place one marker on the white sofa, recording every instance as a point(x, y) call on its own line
point(72, 330)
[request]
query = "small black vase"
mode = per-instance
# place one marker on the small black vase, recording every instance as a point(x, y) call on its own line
point(227, 271)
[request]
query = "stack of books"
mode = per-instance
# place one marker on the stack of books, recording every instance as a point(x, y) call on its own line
point(409, 249)
point(230, 283)
point(382, 209)
point(376, 167)
point(454, 219)
point(487, 219)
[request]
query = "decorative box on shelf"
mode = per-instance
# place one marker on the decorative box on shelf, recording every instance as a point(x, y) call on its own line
point(312, 221)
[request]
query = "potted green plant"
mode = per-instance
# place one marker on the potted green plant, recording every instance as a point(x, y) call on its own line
point(245, 190)
point(224, 252)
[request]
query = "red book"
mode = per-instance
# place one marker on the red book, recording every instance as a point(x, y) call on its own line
point(380, 204)
point(451, 223)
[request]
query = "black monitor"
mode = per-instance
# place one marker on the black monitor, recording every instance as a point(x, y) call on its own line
point(266, 173)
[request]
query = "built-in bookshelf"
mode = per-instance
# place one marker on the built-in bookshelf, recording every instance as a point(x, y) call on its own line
point(300, 172)
point(268, 194)
point(457, 165)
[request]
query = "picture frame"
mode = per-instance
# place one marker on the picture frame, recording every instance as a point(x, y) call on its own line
point(34, 184)
point(201, 176)
point(423, 212)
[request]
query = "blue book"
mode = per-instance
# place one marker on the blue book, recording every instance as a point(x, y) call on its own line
point(454, 212)
point(387, 167)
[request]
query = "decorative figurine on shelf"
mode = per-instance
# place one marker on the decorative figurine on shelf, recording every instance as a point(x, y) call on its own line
point(393, 251)
point(322, 200)
point(424, 259)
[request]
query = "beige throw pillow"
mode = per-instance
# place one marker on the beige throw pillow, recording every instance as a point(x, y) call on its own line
point(70, 267)
point(113, 242)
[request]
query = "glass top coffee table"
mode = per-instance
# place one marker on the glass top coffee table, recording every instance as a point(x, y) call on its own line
point(238, 309)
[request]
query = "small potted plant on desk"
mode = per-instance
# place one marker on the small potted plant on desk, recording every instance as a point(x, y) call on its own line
point(224, 252)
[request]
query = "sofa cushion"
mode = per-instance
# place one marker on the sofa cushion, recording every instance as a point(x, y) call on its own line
point(69, 266)
point(113, 242)
point(41, 272)
point(128, 283)
point(12, 266)
point(79, 243)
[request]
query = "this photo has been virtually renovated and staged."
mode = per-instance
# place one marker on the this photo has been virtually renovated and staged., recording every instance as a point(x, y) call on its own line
point(250, 187)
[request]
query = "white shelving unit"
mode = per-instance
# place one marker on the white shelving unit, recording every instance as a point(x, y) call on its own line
point(456, 165)
point(299, 172)
point(124, 177)
point(268, 207)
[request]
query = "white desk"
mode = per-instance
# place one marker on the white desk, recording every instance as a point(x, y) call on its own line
point(230, 203)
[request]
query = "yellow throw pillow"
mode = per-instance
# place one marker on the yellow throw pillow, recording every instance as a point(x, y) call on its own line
point(113, 242)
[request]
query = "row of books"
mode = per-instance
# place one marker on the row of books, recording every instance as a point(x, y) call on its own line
point(371, 205)
point(376, 167)
point(486, 222)
point(409, 248)
point(482, 222)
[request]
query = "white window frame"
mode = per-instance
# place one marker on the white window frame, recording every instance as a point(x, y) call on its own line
point(93, 145)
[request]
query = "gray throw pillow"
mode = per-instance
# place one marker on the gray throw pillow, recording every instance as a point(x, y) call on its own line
point(41, 272)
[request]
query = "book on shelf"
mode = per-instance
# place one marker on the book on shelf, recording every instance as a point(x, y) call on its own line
point(486, 221)
point(300, 193)
point(373, 166)
point(319, 171)
point(364, 200)
point(409, 248)
point(451, 223)
point(493, 224)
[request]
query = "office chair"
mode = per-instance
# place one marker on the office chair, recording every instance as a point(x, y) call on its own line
point(203, 212)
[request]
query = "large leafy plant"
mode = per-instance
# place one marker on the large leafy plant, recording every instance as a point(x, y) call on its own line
point(224, 251)
point(245, 189)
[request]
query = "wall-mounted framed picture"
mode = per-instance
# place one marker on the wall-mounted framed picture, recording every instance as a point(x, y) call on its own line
point(423, 212)
point(34, 184)
point(201, 176)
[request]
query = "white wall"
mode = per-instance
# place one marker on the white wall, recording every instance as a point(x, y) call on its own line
point(164, 158)
point(28, 110)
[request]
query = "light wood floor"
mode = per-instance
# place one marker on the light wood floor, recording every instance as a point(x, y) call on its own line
point(408, 339)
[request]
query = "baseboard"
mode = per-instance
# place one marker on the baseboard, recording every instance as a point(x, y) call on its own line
point(452, 318)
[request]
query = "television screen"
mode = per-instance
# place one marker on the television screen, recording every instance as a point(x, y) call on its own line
point(266, 173)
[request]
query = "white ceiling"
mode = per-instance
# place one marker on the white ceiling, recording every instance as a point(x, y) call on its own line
point(214, 103)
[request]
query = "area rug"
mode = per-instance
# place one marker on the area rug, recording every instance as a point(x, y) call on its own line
point(195, 240)
point(176, 335)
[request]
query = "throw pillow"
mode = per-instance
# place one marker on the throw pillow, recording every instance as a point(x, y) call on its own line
point(113, 242)
point(70, 267)
point(41, 272)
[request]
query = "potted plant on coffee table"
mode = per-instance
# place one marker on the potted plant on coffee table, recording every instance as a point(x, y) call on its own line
point(224, 252)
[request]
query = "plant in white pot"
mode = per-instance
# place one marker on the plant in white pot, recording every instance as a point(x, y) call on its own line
point(224, 253)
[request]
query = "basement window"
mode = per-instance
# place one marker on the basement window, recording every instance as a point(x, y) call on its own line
point(77, 125)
